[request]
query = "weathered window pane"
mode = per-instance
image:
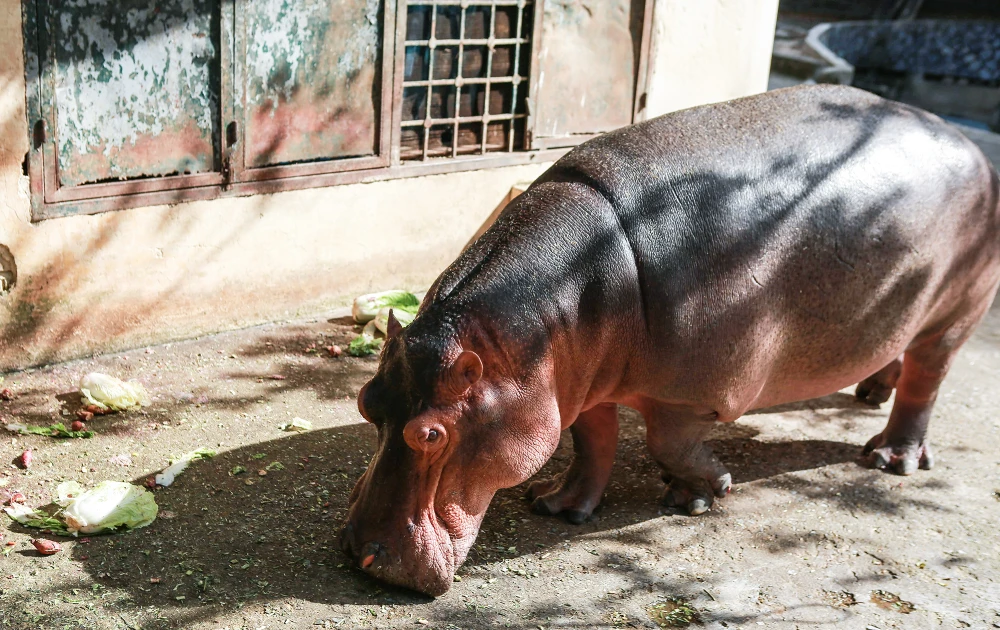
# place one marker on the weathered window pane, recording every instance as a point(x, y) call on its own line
point(312, 77)
point(136, 88)
point(588, 68)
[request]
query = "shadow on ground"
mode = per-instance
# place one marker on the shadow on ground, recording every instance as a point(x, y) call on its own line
point(260, 522)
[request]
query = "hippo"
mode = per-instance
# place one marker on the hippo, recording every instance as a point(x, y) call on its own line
point(694, 267)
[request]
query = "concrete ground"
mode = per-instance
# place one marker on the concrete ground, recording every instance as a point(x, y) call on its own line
point(808, 538)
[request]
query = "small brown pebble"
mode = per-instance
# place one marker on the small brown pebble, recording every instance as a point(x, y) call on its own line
point(82, 558)
point(46, 547)
point(335, 351)
point(25, 459)
point(154, 580)
point(77, 426)
point(262, 472)
point(6, 394)
point(84, 415)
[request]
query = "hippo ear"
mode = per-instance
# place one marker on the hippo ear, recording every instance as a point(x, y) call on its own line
point(462, 374)
point(392, 326)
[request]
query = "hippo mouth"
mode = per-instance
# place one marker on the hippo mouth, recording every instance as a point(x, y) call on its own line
point(424, 558)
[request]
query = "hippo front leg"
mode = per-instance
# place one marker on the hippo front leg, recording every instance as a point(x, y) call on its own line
point(576, 492)
point(694, 476)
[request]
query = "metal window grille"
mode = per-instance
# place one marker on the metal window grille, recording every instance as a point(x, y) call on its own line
point(465, 77)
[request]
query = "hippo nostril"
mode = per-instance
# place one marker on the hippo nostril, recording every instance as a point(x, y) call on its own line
point(369, 553)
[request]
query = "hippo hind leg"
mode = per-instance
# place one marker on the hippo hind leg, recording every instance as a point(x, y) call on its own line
point(877, 388)
point(693, 475)
point(577, 491)
point(902, 447)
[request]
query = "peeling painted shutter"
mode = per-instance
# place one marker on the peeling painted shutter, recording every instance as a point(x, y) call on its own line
point(312, 71)
point(587, 68)
point(135, 88)
point(174, 100)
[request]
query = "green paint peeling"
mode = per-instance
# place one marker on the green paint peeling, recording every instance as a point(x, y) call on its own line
point(135, 87)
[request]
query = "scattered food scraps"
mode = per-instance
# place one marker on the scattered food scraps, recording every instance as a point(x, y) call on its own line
point(275, 466)
point(77, 426)
point(335, 351)
point(366, 307)
point(46, 547)
point(673, 613)
point(109, 393)
point(24, 461)
point(364, 344)
point(177, 466)
point(277, 377)
point(108, 506)
point(237, 470)
point(57, 430)
point(891, 601)
point(30, 517)
point(405, 318)
point(16, 497)
point(297, 424)
point(84, 415)
point(373, 311)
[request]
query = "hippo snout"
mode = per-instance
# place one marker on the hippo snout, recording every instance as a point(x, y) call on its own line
point(419, 572)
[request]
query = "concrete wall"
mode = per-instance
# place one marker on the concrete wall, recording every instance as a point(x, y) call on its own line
point(706, 51)
point(135, 277)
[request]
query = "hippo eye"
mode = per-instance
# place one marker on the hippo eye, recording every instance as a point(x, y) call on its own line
point(432, 435)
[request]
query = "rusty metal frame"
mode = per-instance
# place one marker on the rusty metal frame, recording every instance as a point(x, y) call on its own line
point(49, 201)
point(137, 199)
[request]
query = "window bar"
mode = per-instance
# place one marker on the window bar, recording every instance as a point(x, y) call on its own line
point(458, 80)
point(431, 44)
point(489, 76)
point(516, 75)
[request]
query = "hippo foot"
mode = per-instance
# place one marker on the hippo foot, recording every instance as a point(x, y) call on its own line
point(556, 497)
point(901, 459)
point(872, 392)
point(696, 496)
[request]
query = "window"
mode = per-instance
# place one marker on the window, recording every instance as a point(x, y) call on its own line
point(141, 102)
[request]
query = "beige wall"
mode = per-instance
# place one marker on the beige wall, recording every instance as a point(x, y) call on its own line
point(135, 277)
point(705, 51)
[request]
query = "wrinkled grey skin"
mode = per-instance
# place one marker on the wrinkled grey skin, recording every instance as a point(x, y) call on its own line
point(694, 267)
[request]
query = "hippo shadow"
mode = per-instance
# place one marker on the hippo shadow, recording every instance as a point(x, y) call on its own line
point(260, 522)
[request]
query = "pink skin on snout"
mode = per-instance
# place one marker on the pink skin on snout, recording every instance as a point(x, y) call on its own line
point(417, 509)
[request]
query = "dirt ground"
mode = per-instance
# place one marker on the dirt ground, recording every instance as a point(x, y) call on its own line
point(807, 539)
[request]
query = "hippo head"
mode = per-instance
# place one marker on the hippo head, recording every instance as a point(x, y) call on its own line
point(454, 426)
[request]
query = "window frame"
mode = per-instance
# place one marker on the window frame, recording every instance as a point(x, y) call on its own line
point(49, 200)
